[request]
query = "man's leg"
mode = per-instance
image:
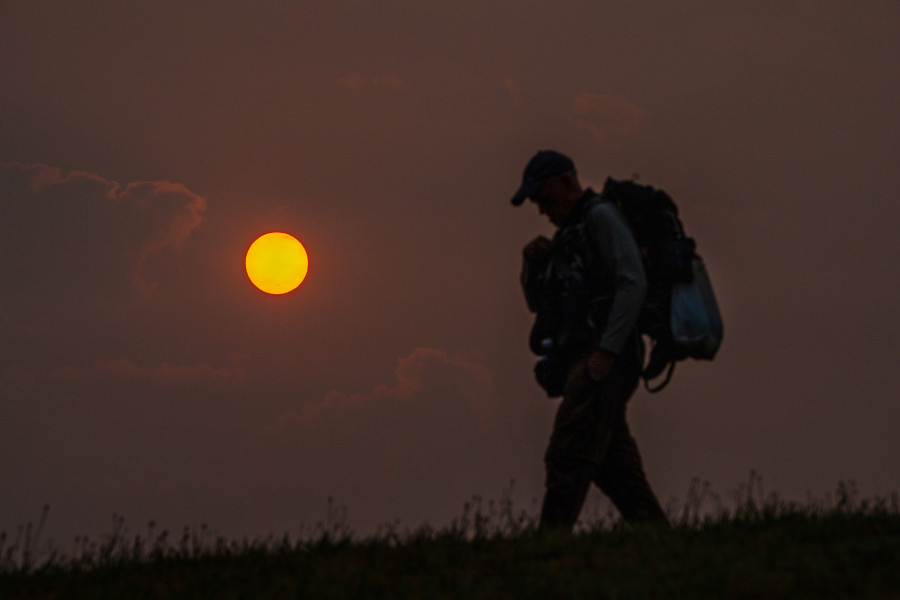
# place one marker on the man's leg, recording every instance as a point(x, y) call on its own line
point(566, 488)
point(582, 431)
point(622, 478)
point(620, 473)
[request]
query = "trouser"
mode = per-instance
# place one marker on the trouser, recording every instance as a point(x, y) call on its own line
point(591, 442)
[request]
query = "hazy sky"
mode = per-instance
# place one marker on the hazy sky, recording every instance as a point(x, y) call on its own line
point(145, 145)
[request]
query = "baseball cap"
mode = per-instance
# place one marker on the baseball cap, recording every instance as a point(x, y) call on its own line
point(544, 165)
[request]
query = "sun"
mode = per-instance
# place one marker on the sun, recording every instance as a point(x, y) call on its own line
point(277, 263)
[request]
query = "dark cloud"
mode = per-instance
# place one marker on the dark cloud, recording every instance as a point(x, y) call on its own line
point(82, 258)
point(116, 232)
point(199, 439)
point(401, 445)
point(607, 117)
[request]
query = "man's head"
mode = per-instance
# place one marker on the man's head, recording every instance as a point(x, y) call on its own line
point(550, 182)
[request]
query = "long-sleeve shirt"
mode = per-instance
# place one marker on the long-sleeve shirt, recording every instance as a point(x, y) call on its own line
point(612, 268)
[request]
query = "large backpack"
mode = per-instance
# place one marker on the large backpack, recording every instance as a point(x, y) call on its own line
point(680, 313)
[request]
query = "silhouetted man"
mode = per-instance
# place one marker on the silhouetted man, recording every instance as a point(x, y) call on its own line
point(587, 286)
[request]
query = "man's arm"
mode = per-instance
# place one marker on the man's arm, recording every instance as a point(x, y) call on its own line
point(534, 269)
point(622, 259)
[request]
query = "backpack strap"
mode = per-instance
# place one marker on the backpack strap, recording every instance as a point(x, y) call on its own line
point(665, 381)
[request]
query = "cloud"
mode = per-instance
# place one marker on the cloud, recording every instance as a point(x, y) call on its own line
point(94, 270)
point(418, 446)
point(164, 374)
point(119, 374)
point(607, 117)
point(203, 441)
point(512, 86)
point(439, 389)
point(81, 227)
point(177, 212)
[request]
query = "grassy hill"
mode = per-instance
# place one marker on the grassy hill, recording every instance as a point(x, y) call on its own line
point(847, 550)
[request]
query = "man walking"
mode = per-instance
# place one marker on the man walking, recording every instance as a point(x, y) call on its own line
point(587, 286)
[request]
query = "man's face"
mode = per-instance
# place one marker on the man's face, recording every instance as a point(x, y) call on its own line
point(555, 199)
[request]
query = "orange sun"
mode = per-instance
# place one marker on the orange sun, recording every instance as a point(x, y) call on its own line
point(277, 263)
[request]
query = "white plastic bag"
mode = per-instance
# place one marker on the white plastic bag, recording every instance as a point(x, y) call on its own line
point(696, 323)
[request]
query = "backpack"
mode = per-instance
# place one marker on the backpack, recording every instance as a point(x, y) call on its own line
point(680, 313)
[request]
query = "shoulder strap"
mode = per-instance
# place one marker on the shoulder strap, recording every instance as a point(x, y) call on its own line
point(665, 381)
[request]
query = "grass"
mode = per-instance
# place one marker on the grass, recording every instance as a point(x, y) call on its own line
point(750, 546)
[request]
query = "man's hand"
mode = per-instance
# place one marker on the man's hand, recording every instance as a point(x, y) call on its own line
point(599, 364)
point(537, 248)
